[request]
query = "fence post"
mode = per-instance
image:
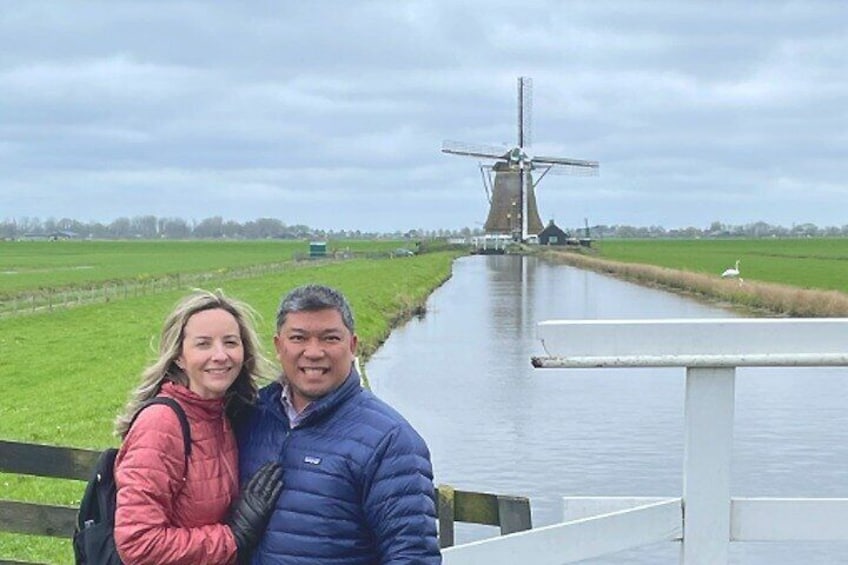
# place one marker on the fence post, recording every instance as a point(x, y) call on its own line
point(446, 511)
point(706, 465)
point(514, 514)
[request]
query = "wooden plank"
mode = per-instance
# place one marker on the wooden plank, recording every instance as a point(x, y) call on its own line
point(769, 360)
point(46, 460)
point(446, 516)
point(694, 337)
point(575, 541)
point(789, 519)
point(579, 507)
point(37, 519)
point(476, 508)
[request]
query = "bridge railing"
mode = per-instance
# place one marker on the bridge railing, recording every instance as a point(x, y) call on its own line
point(704, 519)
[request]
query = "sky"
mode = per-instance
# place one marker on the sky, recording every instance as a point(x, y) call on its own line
point(332, 114)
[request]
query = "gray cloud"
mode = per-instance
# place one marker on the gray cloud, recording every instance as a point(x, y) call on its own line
point(332, 114)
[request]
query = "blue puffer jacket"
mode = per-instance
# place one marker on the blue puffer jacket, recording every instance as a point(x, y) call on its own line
point(358, 482)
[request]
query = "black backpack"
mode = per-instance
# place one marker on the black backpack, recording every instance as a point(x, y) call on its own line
point(94, 532)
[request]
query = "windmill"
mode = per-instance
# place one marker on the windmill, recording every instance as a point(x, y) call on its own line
point(511, 194)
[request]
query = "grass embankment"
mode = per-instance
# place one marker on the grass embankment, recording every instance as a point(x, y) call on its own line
point(66, 374)
point(797, 278)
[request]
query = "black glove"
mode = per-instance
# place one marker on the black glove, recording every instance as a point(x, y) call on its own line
point(250, 513)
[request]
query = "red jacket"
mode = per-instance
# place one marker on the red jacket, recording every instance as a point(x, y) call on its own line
point(160, 519)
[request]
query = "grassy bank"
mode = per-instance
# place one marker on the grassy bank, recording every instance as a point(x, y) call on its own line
point(67, 373)
point(818, 264)
point(814, 267)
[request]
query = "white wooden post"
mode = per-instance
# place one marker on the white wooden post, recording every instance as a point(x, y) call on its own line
point(706, 465)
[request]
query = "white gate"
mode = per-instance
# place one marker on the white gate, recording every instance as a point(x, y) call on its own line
point(705, 518)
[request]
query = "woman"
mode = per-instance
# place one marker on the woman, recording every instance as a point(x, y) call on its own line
point(170, 513)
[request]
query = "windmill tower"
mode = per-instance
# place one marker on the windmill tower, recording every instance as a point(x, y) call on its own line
point(511, 193)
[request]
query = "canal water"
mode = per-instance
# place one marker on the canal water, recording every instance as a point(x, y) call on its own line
point(461, 374)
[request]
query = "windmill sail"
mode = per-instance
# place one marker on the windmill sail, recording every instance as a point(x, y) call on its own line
point(525, 111)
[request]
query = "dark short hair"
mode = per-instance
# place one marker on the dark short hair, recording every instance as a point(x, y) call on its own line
point(314, 297)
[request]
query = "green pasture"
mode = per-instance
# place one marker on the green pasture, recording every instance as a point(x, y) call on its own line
point(67, 373)
point(35, 265)
point(805, 263)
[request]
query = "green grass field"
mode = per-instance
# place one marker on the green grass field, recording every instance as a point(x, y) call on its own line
point(67, 373)
point(804, 263)
point(33, 265)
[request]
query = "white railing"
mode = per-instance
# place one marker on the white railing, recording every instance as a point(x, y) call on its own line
point(492, 242)
point(705, 519)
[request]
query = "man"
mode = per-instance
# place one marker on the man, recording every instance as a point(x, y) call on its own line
point(358, 479)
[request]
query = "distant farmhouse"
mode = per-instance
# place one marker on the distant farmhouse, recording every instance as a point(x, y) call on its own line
point(553, 235)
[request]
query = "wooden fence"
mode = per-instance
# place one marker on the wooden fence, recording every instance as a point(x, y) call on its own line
point(50, 299)
point(511, 514)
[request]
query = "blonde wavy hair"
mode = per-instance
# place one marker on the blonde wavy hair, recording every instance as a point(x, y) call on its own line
point(241, 393)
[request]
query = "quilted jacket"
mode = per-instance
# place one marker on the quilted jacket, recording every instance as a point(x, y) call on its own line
point(358, 481)
point(161, 519)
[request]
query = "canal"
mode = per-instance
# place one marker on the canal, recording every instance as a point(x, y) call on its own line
point(461, 374)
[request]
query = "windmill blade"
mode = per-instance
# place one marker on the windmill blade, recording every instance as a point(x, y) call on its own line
point(565, 161)
point(559, 169)
point(560, 165)
point(525, 111)
point(472, 150)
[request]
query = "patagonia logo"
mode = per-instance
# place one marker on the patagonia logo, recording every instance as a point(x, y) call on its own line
point(312, 460)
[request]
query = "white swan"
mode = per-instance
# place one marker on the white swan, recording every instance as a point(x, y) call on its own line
point(732, 273)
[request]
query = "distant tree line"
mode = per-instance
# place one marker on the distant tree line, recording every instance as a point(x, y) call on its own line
point(216, 227)
point(715, 229)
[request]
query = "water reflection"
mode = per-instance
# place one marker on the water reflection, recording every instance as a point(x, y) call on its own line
point(462, 376)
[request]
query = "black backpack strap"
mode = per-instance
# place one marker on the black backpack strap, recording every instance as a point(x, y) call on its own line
point(93, 503)
point(175, 406)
